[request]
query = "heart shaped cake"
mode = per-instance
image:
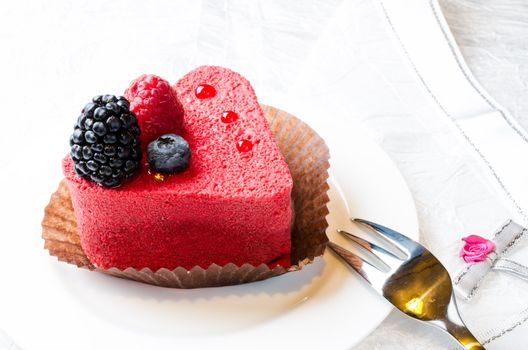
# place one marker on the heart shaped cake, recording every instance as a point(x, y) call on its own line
point(228, 202)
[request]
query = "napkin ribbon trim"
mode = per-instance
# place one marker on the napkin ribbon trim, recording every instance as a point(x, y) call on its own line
point(506, 238)
point(440, 22)
point(512, 267)
point(470, 80)
point(433, 4)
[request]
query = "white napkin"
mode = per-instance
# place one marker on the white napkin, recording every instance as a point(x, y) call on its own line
point(6, 343)
point(395, 67)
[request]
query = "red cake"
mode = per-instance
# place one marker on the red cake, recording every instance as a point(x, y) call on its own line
point(232, 203)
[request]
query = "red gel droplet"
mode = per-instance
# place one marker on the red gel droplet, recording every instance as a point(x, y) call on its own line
point(244, 145)
point(229, 117)
point(205, 91)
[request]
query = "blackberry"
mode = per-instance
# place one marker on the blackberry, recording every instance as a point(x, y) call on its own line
point(105, 145)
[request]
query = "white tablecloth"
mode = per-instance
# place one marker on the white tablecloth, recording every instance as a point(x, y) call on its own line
point(302, 56)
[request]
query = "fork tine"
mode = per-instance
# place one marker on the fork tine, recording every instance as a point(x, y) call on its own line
point(358, 264)
point(404, 243)
point(369, 257)
point(374, 246)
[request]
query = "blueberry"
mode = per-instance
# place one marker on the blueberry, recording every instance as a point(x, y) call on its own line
point(169, 153)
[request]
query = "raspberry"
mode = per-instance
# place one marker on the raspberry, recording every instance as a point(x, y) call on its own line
point(105, 144)
point(156, 106)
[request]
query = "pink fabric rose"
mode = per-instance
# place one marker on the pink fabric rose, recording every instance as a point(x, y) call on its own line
point(476, 248)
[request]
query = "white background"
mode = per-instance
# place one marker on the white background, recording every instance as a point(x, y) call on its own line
point(301, 56)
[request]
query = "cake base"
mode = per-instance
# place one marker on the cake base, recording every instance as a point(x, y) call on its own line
point(307, 157)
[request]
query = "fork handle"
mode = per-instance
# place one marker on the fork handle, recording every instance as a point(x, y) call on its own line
point(464, 337)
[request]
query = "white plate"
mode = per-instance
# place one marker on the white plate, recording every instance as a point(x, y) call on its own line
point(57, 306)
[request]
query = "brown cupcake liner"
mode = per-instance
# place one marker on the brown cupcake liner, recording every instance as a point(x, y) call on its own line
point(307, 157)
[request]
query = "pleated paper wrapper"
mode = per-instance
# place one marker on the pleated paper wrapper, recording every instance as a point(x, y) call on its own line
point(307, 157)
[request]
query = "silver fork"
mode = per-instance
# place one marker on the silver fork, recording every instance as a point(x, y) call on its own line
point(410, 278)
